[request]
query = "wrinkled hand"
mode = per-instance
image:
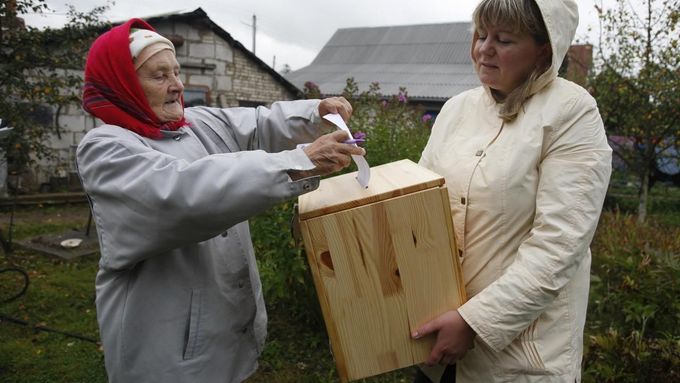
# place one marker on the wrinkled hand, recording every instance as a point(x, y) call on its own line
point(454, 338)
point(338, 105)
point(329, 154)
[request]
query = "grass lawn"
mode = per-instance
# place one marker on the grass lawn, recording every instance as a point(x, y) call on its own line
point(60, 297)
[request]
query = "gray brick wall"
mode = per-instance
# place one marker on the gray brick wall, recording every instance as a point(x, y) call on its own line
point(252, 83)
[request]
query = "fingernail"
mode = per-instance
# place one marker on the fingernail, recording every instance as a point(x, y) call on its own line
point(415, 335)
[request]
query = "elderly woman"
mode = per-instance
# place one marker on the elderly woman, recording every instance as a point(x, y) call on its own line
point(178, 292)
point(527, 166)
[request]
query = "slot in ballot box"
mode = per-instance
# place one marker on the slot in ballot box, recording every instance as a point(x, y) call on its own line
point(384, 262)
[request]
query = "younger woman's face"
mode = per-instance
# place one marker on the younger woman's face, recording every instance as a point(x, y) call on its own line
point(504, 59)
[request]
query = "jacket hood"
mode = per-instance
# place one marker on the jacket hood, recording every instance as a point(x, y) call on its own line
point(561, 20)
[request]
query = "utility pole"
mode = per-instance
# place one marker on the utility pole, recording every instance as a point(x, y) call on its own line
point(254, 31)
point(274, 62)
point(254, 26)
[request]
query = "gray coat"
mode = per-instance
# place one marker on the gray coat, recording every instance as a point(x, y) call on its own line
point(178, 292)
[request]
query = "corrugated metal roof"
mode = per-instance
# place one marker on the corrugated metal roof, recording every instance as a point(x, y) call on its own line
point(431, 60)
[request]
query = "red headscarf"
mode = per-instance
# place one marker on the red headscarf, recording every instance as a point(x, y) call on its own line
point(112, 91)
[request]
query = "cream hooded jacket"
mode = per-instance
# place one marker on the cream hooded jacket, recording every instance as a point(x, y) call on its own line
point(525, 198)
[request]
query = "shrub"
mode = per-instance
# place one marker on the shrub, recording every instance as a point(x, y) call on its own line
point(631, 332)
point(286, 280)
point(394, 128)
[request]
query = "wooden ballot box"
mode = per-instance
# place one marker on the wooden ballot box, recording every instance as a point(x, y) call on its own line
point(384, 262)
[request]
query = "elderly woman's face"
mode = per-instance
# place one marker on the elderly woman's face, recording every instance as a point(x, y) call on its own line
point(160, 81)
point(505, 59)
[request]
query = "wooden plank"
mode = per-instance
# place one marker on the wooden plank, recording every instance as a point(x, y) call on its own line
point(319, 261)
point(369, 300)
point(387, 181)
point(380, 271)
point(458, 272)
point(427, 259)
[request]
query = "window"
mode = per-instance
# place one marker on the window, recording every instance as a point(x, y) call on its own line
point(195, 95)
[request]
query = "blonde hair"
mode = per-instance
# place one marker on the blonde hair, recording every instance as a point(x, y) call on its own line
point(522, 16)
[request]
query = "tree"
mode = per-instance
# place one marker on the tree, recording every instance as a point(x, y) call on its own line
point(40, 73)
point(286, 69)
point(638, 84)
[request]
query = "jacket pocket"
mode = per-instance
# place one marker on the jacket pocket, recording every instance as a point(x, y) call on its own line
point(192, 334)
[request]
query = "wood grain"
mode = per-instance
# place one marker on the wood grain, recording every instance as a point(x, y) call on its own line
point(387, 181)
point(380, 270)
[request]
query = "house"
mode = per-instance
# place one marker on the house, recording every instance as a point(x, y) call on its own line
point(432, 61)
point(217, 70)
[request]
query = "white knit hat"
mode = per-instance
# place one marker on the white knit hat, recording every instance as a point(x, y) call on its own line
point(145, 43)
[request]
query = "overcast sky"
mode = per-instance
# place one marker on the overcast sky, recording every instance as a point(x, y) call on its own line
point(294, 31)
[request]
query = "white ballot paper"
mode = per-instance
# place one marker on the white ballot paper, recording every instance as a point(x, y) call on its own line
point(364, 170)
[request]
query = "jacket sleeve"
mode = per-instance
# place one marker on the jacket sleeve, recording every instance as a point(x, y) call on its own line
point(280, 127)
point(574, 174)
point(146, 202)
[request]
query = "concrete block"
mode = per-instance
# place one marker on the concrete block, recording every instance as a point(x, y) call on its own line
point(200, 80)
point(224, 83)
point(219, 66)
point(201, 50)
point(207, 36)
point(223, 51)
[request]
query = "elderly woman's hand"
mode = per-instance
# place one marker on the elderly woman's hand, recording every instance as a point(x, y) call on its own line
point(329, 154)
point(338, 105)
